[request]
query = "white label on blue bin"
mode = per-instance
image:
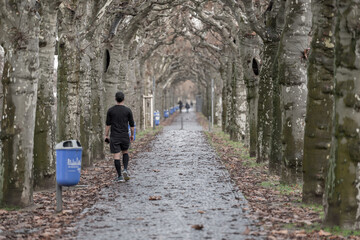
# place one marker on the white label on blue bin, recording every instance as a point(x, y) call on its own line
point(74, 163)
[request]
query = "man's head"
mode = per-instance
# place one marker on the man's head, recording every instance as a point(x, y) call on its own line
point(119, 97)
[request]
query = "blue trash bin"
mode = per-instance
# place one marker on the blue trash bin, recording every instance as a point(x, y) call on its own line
point(157, 118)
point(171, 111)
point(166, 113)
point(134, 131)
point(68, 162)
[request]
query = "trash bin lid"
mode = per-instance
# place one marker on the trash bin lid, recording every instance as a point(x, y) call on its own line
point(68, 144)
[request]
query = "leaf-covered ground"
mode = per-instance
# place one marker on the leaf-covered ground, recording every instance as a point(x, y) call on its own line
point(275, 207)
point(41, 221)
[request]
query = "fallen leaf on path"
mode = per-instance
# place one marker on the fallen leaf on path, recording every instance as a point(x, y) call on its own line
point(301, 235)
point(247, 231)
point(323, 233)
point(154, 198)
point(284, 232)
point(200, 211)
point(156, 170)
point(198, 226)
point(307, 222)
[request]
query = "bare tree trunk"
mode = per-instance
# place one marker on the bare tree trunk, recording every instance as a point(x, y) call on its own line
point(275, 162)
point(293, 90)
point(320, 103)
point(113, 76)
point(20, 26)
point(265, 102)
point(238, 111)
point(2, 62)
point(44, 139)
point(68, 107)
point(97, 108)
point(87, 52)
point(228, 75)
point(342, 202)
point(224, 119)
point(250, 48)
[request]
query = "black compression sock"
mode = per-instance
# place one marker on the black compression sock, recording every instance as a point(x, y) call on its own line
point(125, 160)
point(118, 166)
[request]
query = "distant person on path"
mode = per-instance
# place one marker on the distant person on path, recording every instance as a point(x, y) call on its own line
point(187, 106)
point(191, 103)
point(180, 105)
point(118, 118)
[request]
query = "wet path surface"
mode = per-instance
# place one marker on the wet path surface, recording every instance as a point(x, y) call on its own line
point(194, 187)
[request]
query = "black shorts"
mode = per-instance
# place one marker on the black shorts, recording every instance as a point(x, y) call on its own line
point(119, 144)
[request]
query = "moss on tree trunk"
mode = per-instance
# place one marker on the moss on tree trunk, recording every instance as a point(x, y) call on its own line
point(320, 103)
point(293, 90)
point(20, 85)
point(342, 205)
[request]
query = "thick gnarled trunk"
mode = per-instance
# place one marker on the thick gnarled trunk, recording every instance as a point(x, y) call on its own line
point(2, 62)
point(293, 91)
point(342, 203)
point(238, 106)
point(265, 102)
point(320, 102)
point(20, 83)
point(44, 139)
point(68, 85)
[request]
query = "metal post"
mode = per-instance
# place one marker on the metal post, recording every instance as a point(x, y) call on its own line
point(209, 123)
point(182, 123)
point(154, 101)
point(144, 112)
point(58, 198)
point(152, 122)
point(212, 103)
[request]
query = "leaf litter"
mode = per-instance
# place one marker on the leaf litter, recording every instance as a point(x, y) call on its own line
point(41, 221)
point(279, 213)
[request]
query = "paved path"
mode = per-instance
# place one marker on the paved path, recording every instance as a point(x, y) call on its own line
point(194, 188)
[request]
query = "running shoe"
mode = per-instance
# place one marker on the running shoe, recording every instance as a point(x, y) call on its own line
point(126, 175)
point(119, 179)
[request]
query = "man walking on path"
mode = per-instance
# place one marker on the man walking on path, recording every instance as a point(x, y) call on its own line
point(118, 118)
point(180, 105)
point(187, 106)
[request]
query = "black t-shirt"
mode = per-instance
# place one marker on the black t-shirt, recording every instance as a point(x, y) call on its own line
point(118, 117)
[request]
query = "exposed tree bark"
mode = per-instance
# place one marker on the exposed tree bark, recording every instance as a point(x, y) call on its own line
point(2, 62)
point(265, 102)
point(68, 85)
point(88, 12)
point(238, 106)
point(44, 139)
point(250, 49)
point(342, 202)
point(320, 102)
point(20, 33)
point(293, 90)
point(274, 21)
point(276, 141)
point(224, 119)
point(115, 75)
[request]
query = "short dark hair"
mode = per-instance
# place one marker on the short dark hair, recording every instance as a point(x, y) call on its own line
point(119, 96)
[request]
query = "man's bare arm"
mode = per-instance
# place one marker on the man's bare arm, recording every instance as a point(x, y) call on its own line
point(107, 130)
point(132, 133)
